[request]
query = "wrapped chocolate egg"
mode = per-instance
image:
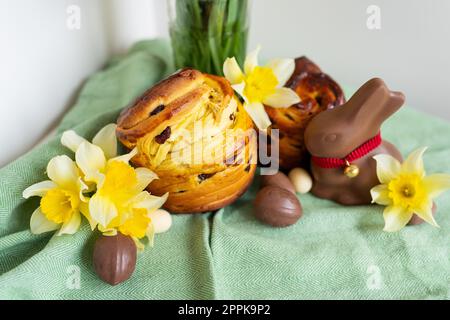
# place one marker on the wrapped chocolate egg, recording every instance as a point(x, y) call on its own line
point(277, 207)
point(279, 180)
point(114, 258)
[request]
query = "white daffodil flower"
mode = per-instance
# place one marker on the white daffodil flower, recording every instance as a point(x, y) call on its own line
point(261, 85)
point(120, 202)
point(62, 198)
point(406, 190)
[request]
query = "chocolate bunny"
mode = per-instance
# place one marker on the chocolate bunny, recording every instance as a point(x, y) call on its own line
point(343, 141)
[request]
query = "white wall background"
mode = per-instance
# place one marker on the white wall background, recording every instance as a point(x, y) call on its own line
point(42, 63)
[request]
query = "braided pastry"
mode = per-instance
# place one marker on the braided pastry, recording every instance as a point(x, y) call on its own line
point(193, 132)
point(318, 92)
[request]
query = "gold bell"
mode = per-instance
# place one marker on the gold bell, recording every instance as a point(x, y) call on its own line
point(351, 170)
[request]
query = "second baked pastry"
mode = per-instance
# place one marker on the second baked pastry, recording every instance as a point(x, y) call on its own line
point(318, 92)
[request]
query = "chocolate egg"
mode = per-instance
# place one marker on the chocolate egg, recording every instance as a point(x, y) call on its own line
point(278, 180)
point(277, 207)
point(114, 258)
point(418, 220)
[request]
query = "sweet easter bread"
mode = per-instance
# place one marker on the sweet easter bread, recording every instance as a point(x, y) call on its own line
point(318, 92)
point(193, 132)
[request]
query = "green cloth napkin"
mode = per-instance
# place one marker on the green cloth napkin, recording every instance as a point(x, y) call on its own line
point(333, 252)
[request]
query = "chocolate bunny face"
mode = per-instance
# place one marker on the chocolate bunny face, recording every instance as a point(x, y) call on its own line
point(335, 136)
point(337, 132)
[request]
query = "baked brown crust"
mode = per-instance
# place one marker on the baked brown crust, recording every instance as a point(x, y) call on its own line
point(162, 125)
point(318, 92)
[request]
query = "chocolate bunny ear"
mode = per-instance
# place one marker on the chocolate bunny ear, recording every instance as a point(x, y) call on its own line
point(336, 132)
point(373, 103)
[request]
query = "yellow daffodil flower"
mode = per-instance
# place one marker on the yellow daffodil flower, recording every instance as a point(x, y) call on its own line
point(62, 198)
point(259, 85)
point(120, 202)
point(406, 190)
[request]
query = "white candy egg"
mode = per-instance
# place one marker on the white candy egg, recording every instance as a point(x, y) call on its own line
point(301, 180)
point(162, 220)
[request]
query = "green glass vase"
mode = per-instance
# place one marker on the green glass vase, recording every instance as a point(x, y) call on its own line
point(206, 32)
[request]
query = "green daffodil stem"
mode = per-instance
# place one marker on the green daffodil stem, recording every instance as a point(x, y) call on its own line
point(205, 32)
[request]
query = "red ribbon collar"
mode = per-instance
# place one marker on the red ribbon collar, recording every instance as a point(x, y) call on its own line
point(361, 151)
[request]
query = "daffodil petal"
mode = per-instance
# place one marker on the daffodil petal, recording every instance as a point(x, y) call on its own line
point(84, 209)
point(258, 114)
point(387, 167)
point(72, 225)
point(139, 245)
point(126, 157)
point(150, 234)
point(380, 195)
point(71, 140)
point(414, 162)
point(91, 160)
point(82, 187)
point(63, 171)
point(425, 212)
point(251, 61)
point(99, 179)
point(106, 139)
point(282, 98)
point(239, 88)
point(102, 210)
point(40, 224)
point(147, 201)
point(232, 71)
point(282, 68)
point(435, 184)
point(395, 218)
point(109, 232)
point(144, 177)
point(38, 189)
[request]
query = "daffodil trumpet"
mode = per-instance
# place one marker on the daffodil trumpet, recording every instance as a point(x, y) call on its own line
point(406, 190)
point(261, 85)
point(119, 203)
